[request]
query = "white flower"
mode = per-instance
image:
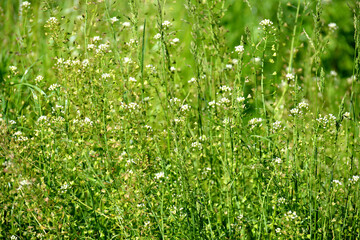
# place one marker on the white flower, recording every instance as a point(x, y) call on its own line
point(225, 88)
point(354, 179)
point(97, 39)
point(159, 175)
point(173, 69)
point(126, 24)
point(290, 76)
point(291, 215)
point(257, 60)
point(127, 60)
point(39, 78)
point(13, 68)
point(235, 61)
point(52, 21)
point(105, 76)
point(240, 99)
point(228, 66)
point(166, 24)
point(131, 79)
point(25, 5)
point(175, 41)
point(13, 237)
point(157, 36)
point(332, 26)
point(266, 23)
point(90, 46)
point(185, 108)
point(278, 160)
point(53, 86)
point(12, 122)
point(192, 80)
point(337, 182)
point(239, 49)
point(333, 73)
point(114, 20)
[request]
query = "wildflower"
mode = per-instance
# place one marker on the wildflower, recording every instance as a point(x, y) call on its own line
point(332, 26)
point(255, 122)
point(240, 99)
point(224, 101)
point(13, 68)
point(13, 237)
point(131, 79)
point(88, 121)
point(291, 215)
point(175, 41)
point(52, 21)
point(337, 182)
point(25, 5)
point(114, 20)
point(105, 76)
point(225, 88)
point(90, 46)
point(196, 145)
point(278, 230)
point(354, 179)
point(126, 24)
point(278, 160)
point(239, 49)
point(185, 108)
point(166, 24)
point(96, 39)
point(290, 76)
point(228, 66)
point(12, 122)
point(103, 48)
point(172, 69)
point(39, 78)
point(159, 175)
point(333, 73)
point(235, 61)
point(347, 115)
point(192, 80)
point(53, 86)
point(257, 60)
point(266, 23)
point(276, 125)
point(157, 36)
point(127, 60)
point(281, 200)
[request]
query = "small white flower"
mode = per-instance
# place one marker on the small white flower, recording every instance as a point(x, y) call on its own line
point(278, 160)
point(337, 182)
point(105, 76)
point(39, 78)
point(175, 41)
point(239, 49)
point(166, 24)
point(127, 60)
point(131, 79)
point(13, 68)
point(114, 20)
point(290, 76)
point(159, 175)
point(12, 122)
point(240, 99)
point(185, 108)
point(235, 61)
point(332, 26)
point(157, 36)
point(126, 24)
point(228, 66)
point(192, 80)
point(52, 21)
point(25, 5)
point(266, 23)
point(97, 39)
point(333, 73)
point(173, 69)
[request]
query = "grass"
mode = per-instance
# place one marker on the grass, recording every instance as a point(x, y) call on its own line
point(179, 119)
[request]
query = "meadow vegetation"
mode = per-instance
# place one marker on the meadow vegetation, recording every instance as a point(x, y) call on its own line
point(193, 119)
